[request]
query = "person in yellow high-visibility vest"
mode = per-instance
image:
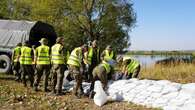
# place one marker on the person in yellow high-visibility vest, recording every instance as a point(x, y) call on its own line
point(26, 56)
point(75, 63)
point(58, 59)
point(92, 59)
point(101, 72)
point(15, 61)
point(42, 62)
point(130, 68)
point(108, 54)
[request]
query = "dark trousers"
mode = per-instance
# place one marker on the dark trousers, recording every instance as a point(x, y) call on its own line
point(57, 77)
point(89, 72)
point(16, 70)
point(40, 70)
point(27, 70)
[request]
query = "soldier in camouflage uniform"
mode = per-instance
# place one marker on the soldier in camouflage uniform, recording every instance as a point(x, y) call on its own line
point(26, 56)
point(75, 62)
point(58, 59)
point(42, 62)
point(15, 61)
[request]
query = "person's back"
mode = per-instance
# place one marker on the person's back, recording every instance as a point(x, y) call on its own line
point(57, 54)
point(58, 65)
point(15, 61)
point(130, 69)
point(26, 57)
point(75, 62)
point(43, 55)
point(42, 62)
point(108, 54)
point(100, 72)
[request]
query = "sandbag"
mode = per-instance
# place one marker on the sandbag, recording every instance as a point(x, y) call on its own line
point(100, 97)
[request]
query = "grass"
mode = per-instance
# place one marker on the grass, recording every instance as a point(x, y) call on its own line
point(13, 96)
point(181, 73)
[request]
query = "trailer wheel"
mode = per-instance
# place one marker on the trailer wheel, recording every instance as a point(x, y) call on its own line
point(5, 64)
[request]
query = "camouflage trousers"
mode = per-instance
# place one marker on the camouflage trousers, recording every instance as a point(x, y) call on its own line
point(57, 77)
point(27, 70)
point(40, 70)
point(99, 73)
point(77, 75)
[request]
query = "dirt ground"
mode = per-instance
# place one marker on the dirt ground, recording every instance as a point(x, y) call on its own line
point(13, 96)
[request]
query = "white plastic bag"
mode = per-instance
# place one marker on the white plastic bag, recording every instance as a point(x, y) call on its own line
point(100, 97)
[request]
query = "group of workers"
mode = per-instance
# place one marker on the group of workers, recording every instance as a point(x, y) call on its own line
point(83, 63)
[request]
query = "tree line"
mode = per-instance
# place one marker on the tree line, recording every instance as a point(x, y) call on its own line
point(78, 21)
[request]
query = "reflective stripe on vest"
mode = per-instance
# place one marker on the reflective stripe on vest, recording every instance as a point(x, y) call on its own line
point(43, 54)
point(16, 53)
point(85, 59)
point(75, 59)
point(132, 66)
point(108, 56)
point(56, 57)
point(106, 66)
point(90, 55)
point(26, 57)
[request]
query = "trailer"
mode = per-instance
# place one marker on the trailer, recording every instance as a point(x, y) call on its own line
point(13, 32)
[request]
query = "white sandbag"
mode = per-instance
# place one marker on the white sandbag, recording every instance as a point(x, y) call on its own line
point(117, 97)
point(163, 82)
point(155, 88)
point(100, 97)
point(171, 95)
point(171, 108)
point(189, 107)
point(189, 88)
point(164, 94)
point(170, 88)
point(86, 87)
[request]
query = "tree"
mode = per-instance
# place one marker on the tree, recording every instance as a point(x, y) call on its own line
point(4, 8)
point(80, 21)
point(108, 21)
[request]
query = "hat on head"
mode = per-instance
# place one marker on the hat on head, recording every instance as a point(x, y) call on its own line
point(126, 58)
point(119, 58)
point(43, 40)
point(19, 44)
point(59, 39)
point(108, 47)
point(84, 46)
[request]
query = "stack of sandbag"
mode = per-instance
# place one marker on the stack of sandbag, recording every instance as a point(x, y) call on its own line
point(164, 94)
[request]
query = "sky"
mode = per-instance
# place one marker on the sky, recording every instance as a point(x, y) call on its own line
point(164, 25)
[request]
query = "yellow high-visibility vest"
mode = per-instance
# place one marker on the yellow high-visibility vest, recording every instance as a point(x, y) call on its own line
point(16, 53)
point(56, 56)
point(90, 55)
point(106, 66)
point(108, 56)
point(75, 59)
point(42, 53)
point(26, 57)
point(132, 66)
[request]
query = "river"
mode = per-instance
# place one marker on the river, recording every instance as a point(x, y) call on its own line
point(150, 60)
